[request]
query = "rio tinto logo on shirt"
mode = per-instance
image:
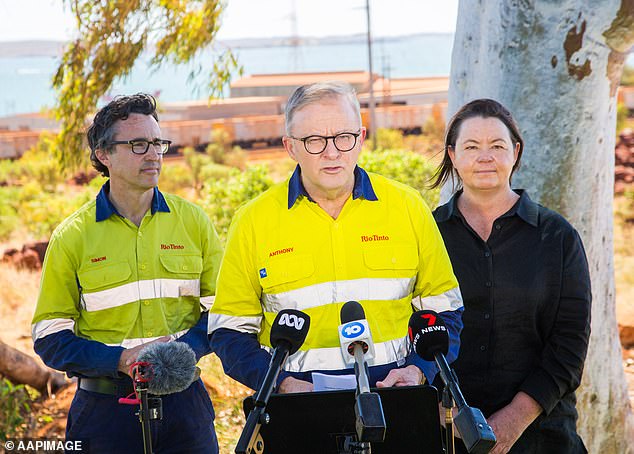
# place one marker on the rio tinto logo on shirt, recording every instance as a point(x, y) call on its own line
point(172, 246)
point(375, 237)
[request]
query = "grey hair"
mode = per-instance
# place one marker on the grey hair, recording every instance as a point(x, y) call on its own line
point(313, 93)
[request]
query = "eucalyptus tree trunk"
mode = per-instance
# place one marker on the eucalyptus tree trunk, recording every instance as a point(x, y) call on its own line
point(556, 65)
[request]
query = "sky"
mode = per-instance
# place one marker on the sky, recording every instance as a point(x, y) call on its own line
point(256, 18)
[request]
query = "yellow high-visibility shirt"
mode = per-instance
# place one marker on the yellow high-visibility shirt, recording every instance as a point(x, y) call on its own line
point(111, 281)
point(380, 253)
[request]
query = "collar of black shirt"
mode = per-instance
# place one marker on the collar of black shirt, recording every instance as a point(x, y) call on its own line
point(525, 208)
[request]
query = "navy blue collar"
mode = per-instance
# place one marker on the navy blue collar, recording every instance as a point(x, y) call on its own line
point(362, 187)
point(525, 208)
point(105, 208)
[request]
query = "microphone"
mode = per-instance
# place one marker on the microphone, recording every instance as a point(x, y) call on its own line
point(172, 367)
point(288, 333)
point(354, 330)
point(289, 330)
point(356, 346)
point(430, 339)
point(428, 335)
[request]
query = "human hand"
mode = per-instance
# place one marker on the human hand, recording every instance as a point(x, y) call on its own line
point(129, 355)
point(407, 376)
point(293, 385)
point(510, 422)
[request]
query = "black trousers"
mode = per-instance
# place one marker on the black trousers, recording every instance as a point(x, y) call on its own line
point(546, 435)
point(105, 426)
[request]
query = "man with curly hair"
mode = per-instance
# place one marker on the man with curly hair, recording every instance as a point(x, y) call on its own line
point(132, 267)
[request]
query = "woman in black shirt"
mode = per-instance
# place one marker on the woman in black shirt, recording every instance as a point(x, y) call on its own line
point(524, 279)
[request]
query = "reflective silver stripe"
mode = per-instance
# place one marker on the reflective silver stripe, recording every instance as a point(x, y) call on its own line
point(331, 358)
point(367, 289)
point(130, 343)
point(45, 327)
point(448, 301)
point(135, 291)
point(206, 302)
point(249, 325)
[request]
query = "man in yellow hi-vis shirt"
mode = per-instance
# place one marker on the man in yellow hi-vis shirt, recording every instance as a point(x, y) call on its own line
point(330, 234)
point(132, 267)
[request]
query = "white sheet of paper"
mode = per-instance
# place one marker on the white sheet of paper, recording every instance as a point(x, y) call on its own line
point(323, 382)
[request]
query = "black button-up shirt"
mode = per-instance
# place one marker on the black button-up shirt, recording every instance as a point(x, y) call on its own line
point(526, 294)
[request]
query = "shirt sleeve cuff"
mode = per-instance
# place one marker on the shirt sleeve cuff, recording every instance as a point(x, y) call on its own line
point(428, 368)
point(280, 378)
point(541, 387)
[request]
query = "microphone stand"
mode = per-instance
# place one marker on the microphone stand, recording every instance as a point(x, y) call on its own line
point(477, 435)
point(447, 403)
point(250, 440)
point(369, 417)
point(149, 408)
point(144, 416)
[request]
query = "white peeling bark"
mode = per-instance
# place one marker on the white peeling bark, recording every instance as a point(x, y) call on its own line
point(556, 65)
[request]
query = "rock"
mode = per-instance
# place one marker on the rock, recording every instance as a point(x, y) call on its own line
point(626, 334)
point(31, 256)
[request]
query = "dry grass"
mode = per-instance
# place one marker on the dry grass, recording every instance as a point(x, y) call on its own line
point(227, 396)
point(18, 295)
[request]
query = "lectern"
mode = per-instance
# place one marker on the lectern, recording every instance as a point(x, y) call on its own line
point(324, 422)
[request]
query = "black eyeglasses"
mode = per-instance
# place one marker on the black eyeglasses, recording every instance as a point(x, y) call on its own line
point(317, 144)
point(141, 146)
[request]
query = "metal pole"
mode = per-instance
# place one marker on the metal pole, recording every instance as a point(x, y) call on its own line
point(144, 416)
point(372, 125)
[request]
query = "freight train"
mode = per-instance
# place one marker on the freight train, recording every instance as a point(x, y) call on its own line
point(261, 131)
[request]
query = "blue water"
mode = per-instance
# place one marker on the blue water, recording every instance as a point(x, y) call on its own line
point(25, 83)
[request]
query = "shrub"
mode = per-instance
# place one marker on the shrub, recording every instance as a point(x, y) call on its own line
point(220, 145)
point(621, 117)
point(176, 178)
point(9, 220)
point(385, 139)
point(237, 158)
point(221, 198)
point(405, 167)
point(14, 406)
point(195, 161)
point(212, 172)
point(42, 213)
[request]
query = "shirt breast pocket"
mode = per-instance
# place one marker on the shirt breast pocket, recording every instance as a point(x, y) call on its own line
point(104, 277)
point(391, 260)
point(282, 274)
point(182, 266)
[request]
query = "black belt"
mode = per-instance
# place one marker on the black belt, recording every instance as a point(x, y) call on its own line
point(120, 388)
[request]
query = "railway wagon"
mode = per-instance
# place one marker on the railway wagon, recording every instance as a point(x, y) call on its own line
point(13, 144)
point(255, 131)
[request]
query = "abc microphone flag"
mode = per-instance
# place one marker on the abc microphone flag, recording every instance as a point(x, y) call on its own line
point(289, 330)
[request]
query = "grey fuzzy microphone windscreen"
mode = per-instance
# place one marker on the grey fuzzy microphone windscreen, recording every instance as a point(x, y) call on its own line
point(173, 367)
